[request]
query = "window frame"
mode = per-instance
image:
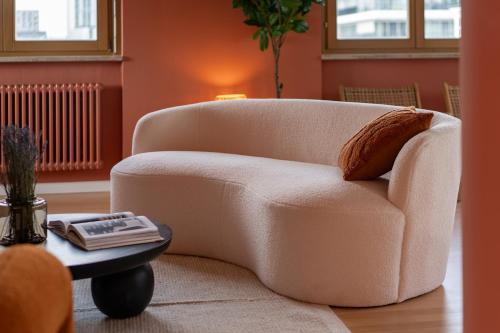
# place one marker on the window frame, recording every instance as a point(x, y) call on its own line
point(105, 44)
point(414, 44)
point(430, 44)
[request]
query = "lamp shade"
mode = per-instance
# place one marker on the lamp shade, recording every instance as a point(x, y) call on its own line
point(230, 97)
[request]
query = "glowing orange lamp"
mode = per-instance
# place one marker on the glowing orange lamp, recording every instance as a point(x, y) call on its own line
point(230, 97)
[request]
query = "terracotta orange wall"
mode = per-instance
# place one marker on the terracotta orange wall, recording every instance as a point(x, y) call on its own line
point(429, 74)
point(180, 52)
point(107, 74)
point(480, 70)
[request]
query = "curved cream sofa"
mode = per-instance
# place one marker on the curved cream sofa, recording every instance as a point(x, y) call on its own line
point(256, 183)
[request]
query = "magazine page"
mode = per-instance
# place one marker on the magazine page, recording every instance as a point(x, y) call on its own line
point(97, 217)
point(61, 226)
point(117, 228)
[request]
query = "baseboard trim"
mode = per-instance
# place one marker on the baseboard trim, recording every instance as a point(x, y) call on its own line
point(70, 187)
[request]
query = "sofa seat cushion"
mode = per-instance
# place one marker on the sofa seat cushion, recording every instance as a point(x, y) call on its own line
point(279, 181)
point(300, 227)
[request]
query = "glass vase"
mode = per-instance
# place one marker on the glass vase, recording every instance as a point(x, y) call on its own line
point(23, 223)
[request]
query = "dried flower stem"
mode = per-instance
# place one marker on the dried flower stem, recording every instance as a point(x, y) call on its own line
point(21, 153)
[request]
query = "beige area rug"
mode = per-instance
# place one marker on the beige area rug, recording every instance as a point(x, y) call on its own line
point(203, 295)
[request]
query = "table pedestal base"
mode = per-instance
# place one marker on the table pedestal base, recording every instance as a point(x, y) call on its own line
point(124, 294)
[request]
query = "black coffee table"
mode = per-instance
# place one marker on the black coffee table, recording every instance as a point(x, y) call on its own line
point(122, 278)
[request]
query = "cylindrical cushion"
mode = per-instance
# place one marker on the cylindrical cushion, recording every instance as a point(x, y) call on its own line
point(35, 292)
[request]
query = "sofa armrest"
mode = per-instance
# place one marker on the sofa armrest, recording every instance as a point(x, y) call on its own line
point(427, 170)
point(424, 185)
point(170, 129)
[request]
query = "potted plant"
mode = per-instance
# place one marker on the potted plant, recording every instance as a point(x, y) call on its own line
point(274, 19)
point(26, 215)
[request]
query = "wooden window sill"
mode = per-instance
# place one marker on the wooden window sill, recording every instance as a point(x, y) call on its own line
point(390, 55)
point(62, 58)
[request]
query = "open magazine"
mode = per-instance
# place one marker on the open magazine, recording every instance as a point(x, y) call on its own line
point(105, 231)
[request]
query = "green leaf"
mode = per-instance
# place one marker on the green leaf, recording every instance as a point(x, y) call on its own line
point(259, 17)
point(273, 18)
point(276, 32)
point(236, 3)
point(264, 41)
point(306, 7)
point(256, 34)
point(251, 22)
point(300, 26)
point(289, 5)
point(249, 9)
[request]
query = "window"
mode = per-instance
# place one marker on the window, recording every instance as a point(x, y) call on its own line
point(442, 19)
point(372, 20)
point(57, 27)
point(85, 16)
point(392, 25)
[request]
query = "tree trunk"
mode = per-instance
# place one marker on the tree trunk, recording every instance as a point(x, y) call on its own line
point(278, 84)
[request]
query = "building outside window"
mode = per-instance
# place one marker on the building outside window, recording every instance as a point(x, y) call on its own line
point(56, 27)
point(442, 19)
point(56, 19)
point(402, 24)
point(83, 18)
point(27, 25)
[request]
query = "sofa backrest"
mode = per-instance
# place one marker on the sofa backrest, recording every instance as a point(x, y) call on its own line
point(300, 130)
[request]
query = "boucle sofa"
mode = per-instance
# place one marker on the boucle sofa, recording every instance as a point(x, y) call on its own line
point(256, 183)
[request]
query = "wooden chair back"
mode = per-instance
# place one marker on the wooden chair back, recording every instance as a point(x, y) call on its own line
point(452, 99)
point(400, 96)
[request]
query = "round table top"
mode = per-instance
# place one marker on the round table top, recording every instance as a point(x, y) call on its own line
point(88, 264)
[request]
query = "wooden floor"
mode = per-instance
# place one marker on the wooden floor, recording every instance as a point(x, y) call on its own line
point(80, 203)
point(436, 312)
